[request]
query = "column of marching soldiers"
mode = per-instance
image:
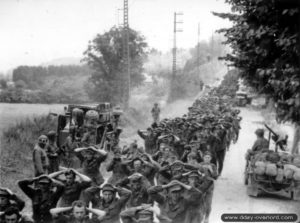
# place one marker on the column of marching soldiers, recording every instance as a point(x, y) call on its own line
point(170, 179)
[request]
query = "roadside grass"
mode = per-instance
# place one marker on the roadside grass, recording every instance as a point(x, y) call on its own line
point(17, 142)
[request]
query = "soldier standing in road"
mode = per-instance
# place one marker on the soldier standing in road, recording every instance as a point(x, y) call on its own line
point(118, 167)
point(150, 140)
point(108, 202)
point(138, 185)
point(155, 113)
point(211, 171)
point(52, 152)
point(180, 198)
point(73, 188)
point(42, 195)
point(40, 158)
point(91, 162)
point(70, 160)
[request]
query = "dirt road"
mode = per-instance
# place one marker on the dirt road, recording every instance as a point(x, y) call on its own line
point(230, 193)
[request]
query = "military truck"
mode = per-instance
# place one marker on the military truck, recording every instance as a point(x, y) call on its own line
point(102, 119)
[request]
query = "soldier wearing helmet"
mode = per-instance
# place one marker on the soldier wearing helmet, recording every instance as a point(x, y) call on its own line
point(155, 113)
point(40, 158)
point(261, 142)
point(90, 136)
point(52, 152)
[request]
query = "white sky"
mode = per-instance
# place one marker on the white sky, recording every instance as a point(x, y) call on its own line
point(36, 31)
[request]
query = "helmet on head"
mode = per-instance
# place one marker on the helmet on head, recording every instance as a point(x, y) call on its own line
point(77, 112)
point(260, 132)
point(92, 115)
point(43, 139)
point(51, 134)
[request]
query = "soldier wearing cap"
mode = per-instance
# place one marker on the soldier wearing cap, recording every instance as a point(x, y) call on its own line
point(79, 214)
point(8, 199)
point(108, 202)
point(40, 158)
point(12, 215)
point(261, 142)
point(73, 187)
point(179, 199)
point(43, 196)
point(138, 185)
point(91, 162)
point(52, 152)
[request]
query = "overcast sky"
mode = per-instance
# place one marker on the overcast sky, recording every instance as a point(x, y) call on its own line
point(38, 31)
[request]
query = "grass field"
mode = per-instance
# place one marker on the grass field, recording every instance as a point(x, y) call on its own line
point(12, 113)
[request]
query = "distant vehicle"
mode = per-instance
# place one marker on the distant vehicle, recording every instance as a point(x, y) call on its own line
point(273, 172)
point(101, 118)
point(242, 99)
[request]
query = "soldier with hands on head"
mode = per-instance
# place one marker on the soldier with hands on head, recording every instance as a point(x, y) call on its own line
point(73, 188)
point(108, 202)
point(91, 162)
point(79, 214)
point(44, 193)
point(8, 199)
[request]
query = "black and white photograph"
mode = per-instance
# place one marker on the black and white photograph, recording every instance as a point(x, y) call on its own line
point(149, 111)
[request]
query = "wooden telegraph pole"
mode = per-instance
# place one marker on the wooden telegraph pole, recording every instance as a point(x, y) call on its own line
point(174, 69)
point(126, 53)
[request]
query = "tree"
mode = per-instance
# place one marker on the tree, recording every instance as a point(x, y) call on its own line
point(104, 55)
point(265, 47)
point(3, 83)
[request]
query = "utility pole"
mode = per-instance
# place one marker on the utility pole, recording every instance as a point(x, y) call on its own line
point(176, 14)
point(126, 53)
point(118, 24)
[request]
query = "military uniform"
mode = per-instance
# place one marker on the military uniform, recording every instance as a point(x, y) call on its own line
point(260, 144)
point(40, 161)
point(112, 209)
point(150, 141)
point(119, 170)
point(178, 212)
point(52, 154)
point(72, 193)
point(13, 200)
point(70, 160)
point(136, 215)
point(91, 168)
point(41, 202)
point(140, 196)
